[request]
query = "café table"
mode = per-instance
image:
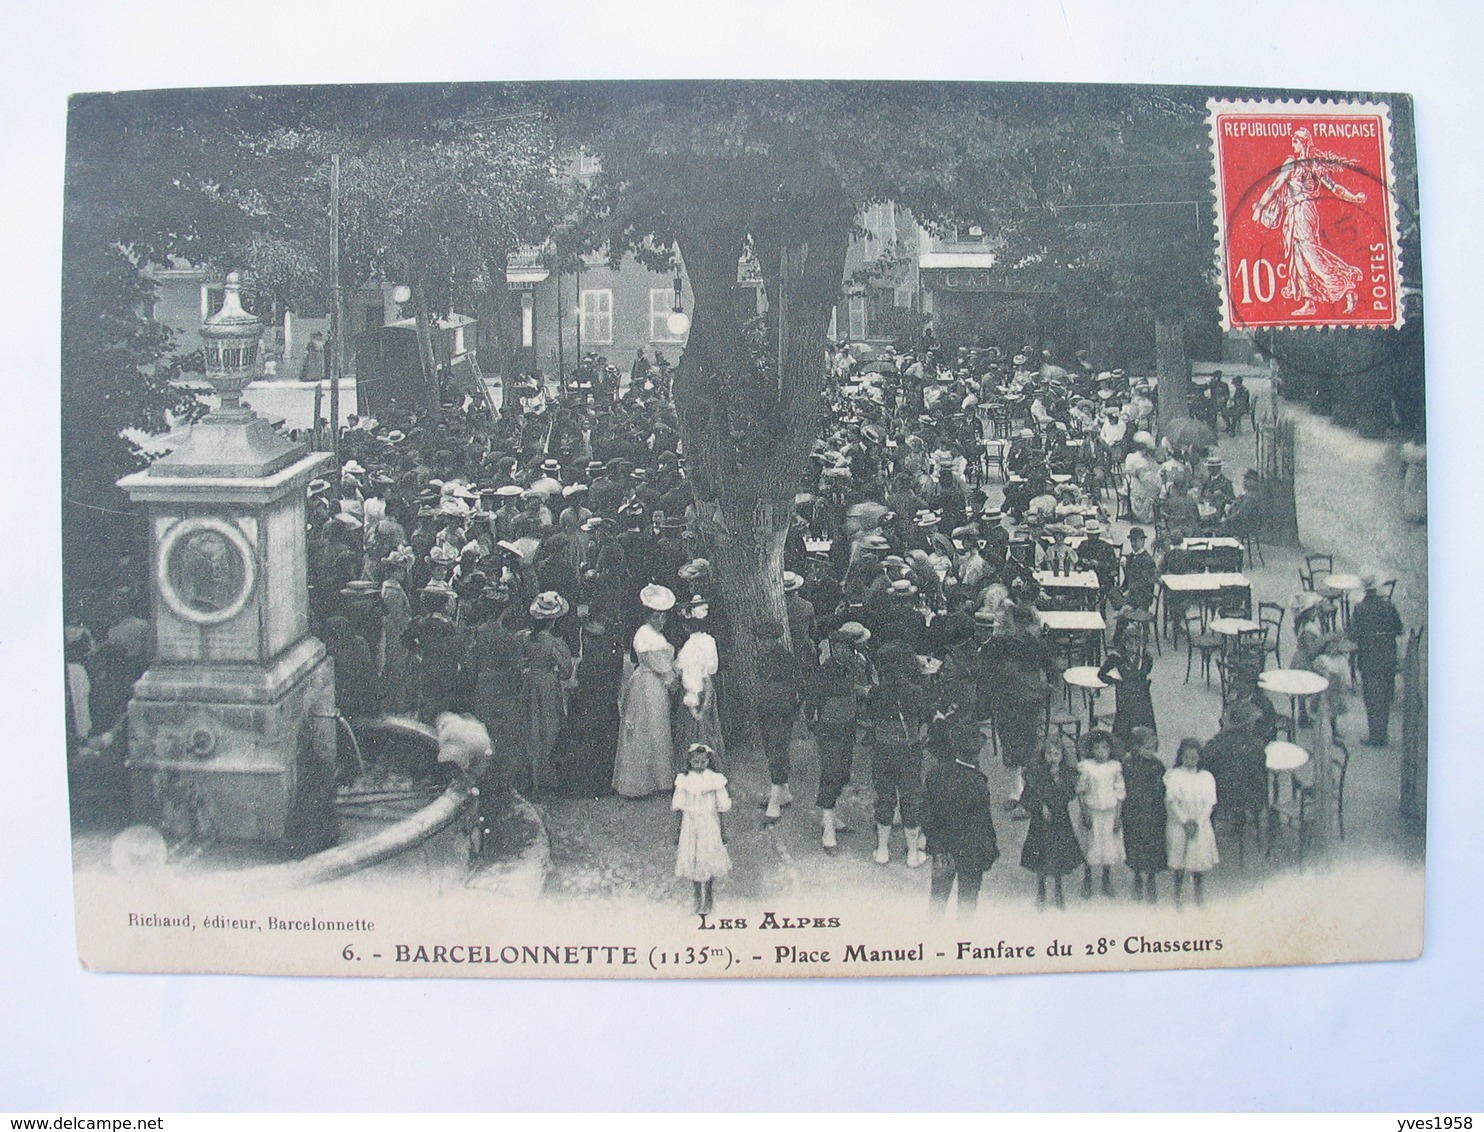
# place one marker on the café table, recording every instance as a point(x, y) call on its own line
point(1231, 626)
point(1212, 543)
point(1085, 677)
point(1206, 585)
point(1280, 757)
point(1076, 580)
point(1076, 621)
point(1080, 586)
point(1295, 683)
point(1342, 586)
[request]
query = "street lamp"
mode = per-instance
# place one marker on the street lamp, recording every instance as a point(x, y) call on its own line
point(678, 322)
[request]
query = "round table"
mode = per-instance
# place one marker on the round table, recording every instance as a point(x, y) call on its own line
point(1342, 586)
point(1295, 683)
point(1283, 757)
point(1280, 758)
point(1085, 677)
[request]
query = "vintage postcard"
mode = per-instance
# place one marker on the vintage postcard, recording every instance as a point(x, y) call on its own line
point(700, 529)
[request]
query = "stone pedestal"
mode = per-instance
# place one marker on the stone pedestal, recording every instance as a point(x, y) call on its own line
point(231, 730)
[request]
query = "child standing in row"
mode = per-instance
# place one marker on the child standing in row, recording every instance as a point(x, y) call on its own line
point(1051, 848)
point(1100, 794)
point(1144, 812)
point(1190, 795)
point(701, 798)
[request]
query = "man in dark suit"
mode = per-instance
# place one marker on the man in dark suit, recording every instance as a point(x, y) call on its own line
point(958, 822)
point(1374, 627)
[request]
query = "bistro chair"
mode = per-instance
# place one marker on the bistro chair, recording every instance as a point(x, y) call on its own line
point(996, 455)
point(1250, 647)
point(1252, 545)
point(1339, 765)
point(1316, 566)
point(1225, 559)
point(1197, 636)
point(1234, 601)
point(1271, 615)
point(1140, 623)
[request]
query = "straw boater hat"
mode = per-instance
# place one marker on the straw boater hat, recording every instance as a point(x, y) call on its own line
point(657, 598)
point(854, 631)
point(791, 581)
point(927, 518)
point(549, 606)
point(352, 468)
point(318, 487)
point(552, 466)
point(875, 542)
point(592, 523)
point(510, 491)
point(902, 588)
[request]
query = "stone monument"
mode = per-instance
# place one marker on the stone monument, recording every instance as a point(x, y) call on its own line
point(231, 730)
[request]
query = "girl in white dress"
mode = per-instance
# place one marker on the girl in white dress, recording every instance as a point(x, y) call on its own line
point(701, 798)
point(1190, 796)
point(1100, 794)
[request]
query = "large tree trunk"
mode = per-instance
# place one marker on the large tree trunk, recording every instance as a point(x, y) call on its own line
point(1173, 368)
point(746, 422)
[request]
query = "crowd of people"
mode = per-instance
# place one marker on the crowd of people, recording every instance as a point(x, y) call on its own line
point(540, 568)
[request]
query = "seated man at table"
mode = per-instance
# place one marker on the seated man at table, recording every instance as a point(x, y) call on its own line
point(1245, 513)
point(1140, 583)
point(1180, 511)
point(1217, 490)
point(1099, 556)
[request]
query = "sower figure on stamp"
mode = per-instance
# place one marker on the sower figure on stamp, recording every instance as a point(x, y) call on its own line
point(1315, 274)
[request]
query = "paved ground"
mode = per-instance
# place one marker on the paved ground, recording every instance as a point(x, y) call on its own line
point(616, 850)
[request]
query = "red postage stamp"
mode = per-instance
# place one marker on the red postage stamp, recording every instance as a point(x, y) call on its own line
point(1305, 214)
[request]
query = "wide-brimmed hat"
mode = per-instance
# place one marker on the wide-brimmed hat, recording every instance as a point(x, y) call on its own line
point(854, 631)
point(509, 491)
point(402, 556)
point(791, 581)
point(875, 542)
point(443, 554)
point(453, 505)
point(351, 467)
point(592, 523)
point(549, 606)
point(318, 487)
point(396, 436)
point(573, 489)
point(349, 520)
point(903, 587)
point(694, 569)
point(657, 598)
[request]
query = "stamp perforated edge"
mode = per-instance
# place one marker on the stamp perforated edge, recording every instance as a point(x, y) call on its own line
point(1218, 106)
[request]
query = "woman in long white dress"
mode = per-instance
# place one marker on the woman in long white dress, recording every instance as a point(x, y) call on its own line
point(645, 762)
point(696, 719)
point(1190, 796)
point(1144, 479)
